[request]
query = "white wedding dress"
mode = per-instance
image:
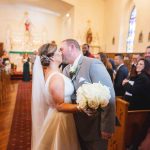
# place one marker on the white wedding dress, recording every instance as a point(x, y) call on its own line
point(58, 130)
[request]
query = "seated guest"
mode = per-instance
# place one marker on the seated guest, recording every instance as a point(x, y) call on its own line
point(6, 62)
point(1, 63)
point(121, 74)
point(135, 58)
point(86, 50)
point(147, 52)
point(97, 56)
point(137, 92)
point(5, 58)
point(112, 63)
point(107, 64)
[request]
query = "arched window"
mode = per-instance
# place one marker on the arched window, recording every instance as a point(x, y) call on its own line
point(131, 32)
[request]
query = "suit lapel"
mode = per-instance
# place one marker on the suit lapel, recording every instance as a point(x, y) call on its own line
point(78, 68)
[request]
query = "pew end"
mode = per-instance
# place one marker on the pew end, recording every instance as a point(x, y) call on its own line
point(131, 125)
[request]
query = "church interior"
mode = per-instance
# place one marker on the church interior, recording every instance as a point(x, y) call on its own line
point(115, 32)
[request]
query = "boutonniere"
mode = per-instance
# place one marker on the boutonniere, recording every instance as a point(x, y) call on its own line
point(73, 71)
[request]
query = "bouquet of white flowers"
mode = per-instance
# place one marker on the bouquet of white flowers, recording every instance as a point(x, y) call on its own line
point(93, 96)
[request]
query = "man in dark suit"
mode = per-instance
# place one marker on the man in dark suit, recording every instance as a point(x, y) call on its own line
point(121, 74)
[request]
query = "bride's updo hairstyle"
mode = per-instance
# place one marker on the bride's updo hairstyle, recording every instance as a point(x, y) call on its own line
point(47, 51)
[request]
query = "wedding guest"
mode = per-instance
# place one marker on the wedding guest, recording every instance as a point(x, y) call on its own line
point(26, 67)
point(1, 63)
point(5, 58)
point(137, 91)
point(106, 62)
point(135, 59)
point(109, 59)
point(86, 50)
point(112, 63)
point(147, 52)
point(53, 43)
point(121, 74)
point(6, 62)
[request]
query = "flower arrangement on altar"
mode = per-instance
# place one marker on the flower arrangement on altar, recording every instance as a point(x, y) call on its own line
point(7, 62)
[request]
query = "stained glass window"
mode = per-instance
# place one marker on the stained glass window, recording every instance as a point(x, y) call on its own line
point(131, 32)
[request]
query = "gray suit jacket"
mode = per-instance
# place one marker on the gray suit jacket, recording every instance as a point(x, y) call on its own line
point(93, 71)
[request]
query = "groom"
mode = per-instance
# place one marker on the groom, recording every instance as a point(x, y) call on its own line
point(93, 131)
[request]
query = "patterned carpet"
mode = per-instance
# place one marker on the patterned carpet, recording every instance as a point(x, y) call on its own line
point(20, 134)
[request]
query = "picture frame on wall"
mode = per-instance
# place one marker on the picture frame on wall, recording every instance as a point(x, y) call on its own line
point(140, 37)
point(113, 41)
point(149, 37)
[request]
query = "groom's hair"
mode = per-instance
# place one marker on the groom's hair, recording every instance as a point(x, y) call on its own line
point(74, 42)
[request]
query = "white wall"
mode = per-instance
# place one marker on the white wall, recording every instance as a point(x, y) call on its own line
point(85, 10)
point(67, 25)
point(108, 19)
point(117, 14)
point(143, 24)
point(45, 25)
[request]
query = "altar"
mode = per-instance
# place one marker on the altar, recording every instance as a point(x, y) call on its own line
point(26, 38)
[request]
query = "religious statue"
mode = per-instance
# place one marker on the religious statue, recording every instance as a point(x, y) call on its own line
point(28, 32)
point(27, 25)
point(89, 36)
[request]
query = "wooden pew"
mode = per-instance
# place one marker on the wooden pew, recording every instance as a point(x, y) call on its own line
point(137, 121)
point(131, 123)
point(5, 86)
point(1, 98)
point(117, 142)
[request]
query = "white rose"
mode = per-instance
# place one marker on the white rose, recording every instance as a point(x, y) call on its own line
point(83, 104)
point(93, 95)
point(104, 103)
point(92, 103)
point(103, 95)
point(81, 99)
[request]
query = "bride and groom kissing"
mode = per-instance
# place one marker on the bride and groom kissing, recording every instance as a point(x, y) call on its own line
point(58, 123)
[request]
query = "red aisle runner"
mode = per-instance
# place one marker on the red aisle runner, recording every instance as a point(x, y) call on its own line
point(20, 134)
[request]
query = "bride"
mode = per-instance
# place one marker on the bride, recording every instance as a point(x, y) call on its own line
point(53, 126)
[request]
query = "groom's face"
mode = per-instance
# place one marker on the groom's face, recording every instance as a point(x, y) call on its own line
point(66, 53)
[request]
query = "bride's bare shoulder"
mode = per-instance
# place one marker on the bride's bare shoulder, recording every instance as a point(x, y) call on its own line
point(56, 77)
point(56, 83)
